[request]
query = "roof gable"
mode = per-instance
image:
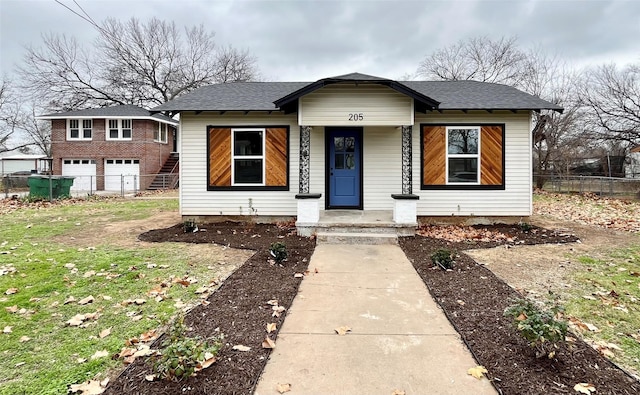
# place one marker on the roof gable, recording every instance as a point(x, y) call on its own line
point(289, 103)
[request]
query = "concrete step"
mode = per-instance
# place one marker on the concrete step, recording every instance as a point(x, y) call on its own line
point(333, 237)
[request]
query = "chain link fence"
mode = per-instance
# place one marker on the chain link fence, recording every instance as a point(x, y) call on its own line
point(603, 186)
point(86, 185)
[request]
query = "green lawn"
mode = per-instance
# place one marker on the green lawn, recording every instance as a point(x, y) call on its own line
point(40, 352)
point(606, 294)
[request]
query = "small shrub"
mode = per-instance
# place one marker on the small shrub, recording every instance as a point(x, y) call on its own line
point(525, 227)
point(443, 258)
point(543, 329)
point(183, 356)
point(278, 251)
point(190, 226)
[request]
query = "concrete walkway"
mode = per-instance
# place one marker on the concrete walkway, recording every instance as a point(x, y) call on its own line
point(399, 339)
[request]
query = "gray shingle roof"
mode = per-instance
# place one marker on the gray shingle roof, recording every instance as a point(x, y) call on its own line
point(452, 95)
point(126, 110)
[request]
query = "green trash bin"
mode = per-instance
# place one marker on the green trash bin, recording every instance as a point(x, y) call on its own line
point(60, 186)
point(64, 186)
point(39, 186)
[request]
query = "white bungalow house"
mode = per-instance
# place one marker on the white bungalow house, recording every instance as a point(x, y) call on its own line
point(356, 142)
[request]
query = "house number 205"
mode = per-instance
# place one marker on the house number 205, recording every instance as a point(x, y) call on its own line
point(358, 116)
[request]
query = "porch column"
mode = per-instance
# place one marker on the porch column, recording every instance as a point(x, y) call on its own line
point(305, 147)
point(407, 173)
point(308, 203)
point(405, 204)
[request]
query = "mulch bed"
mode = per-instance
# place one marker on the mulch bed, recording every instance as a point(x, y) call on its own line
point(240, 310)
point(474, 299)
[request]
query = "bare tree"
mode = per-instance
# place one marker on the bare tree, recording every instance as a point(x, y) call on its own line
point(611, 103)
point(478, 59)
point(11, 118)
point(556, 142)
point(132, 62)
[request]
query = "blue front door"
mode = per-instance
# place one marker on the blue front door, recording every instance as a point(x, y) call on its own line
point(345, 168)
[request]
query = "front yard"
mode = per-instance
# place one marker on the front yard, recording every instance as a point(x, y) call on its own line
point(75, 284)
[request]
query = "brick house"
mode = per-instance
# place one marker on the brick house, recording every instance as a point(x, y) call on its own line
point(113, 148)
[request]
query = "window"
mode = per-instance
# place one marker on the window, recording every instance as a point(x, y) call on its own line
point(79, 129)
point(248, 158)
point(160, 135)
point(119, 129)
point(462, 157)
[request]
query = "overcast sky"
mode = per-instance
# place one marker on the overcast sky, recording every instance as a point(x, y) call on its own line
point(300, 40)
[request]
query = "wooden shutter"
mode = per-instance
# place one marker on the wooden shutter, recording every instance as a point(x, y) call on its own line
point(434, 155)
point(220, 157)
point(276, 157)
point(491, 156)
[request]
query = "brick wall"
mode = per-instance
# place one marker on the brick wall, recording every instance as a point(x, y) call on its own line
point(152, 155)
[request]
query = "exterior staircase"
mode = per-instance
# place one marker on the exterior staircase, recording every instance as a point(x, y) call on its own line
point(168, 176)
point(360, 227)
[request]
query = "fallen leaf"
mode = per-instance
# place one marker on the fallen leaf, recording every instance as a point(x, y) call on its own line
point(208, 361)
point(87, 300)
point(584, 388)
point(11, 291)
point(77, 320)
point(150, 377)
point(342, 330)
point(91, 387)
point(240, 347)
point(19, 364)
point(277, 310)
point(477, 372)
point(100, 354)
point(273, 302)
point(282, 388)
point(592, 327)
point(521, 317)
point(298, 275)
point(268, 343)
point(24, 339)
point(70, 299)
point(149, 336)
point(12, 309)
point(7, 329)
point(89, 274)
point(104, 333)
point(81, 360)
point(271, 327)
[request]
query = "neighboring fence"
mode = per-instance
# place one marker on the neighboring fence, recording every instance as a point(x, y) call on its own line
point(84, 185)
point(606, 186)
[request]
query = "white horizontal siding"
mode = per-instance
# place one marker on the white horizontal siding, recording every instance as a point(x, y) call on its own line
point(194, 197)
point(382, 148)
point(514, 200)
point(379, 105)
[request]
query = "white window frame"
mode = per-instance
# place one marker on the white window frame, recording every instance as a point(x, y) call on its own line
point(462, 156)
point(159, 138)
point(119, 123)
point(81, 128)
point(244, 157)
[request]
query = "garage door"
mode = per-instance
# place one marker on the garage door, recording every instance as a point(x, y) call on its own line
point(84, 171)
point(119, 172)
